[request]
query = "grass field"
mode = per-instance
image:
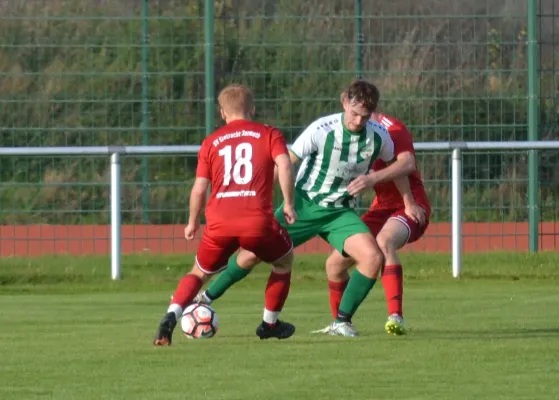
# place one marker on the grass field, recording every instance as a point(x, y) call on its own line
point(68, 332)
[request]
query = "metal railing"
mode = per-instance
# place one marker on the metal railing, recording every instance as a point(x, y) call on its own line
point(456, 149)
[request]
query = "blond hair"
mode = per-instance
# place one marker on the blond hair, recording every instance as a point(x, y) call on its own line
point(236, 99)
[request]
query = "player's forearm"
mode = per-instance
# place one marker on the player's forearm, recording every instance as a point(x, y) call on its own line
point(197, 201)
point(400, 168)
point(286, 179)
point(403, 186)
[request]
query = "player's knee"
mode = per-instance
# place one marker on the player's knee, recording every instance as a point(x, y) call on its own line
point(373, 266)
point(376, 257)
point(371, 258)
point(284, 264)
point(281, 270)
point(199, 273)
point(366, 253)
point(337, 266)
point(386, 244)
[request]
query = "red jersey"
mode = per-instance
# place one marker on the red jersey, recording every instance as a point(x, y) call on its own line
point(387, 195)
point(239, 160)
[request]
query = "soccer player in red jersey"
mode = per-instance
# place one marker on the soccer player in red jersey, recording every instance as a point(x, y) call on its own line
point(238, 162)
point(394, 220)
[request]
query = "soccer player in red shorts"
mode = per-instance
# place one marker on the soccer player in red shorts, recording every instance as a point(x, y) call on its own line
point(394, 220)
point(238, 161)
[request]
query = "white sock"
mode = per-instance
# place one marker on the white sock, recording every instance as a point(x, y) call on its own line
point(175, 308)
point(270, 317)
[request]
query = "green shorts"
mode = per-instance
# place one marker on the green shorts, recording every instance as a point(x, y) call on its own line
point(334, 225)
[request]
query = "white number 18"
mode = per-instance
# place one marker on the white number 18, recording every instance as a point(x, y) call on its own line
point(243, 158)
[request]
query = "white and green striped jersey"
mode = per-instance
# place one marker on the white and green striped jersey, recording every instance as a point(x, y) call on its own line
point(332, 157)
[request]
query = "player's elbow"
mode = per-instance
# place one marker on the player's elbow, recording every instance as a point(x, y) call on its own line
point(283, 162)
point(199, 188)
point(285, 171)
point(198, 194)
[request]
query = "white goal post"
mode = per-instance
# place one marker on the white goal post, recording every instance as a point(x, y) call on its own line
point(115, 153)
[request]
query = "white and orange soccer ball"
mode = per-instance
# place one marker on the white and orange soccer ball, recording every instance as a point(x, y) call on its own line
point(199, 321)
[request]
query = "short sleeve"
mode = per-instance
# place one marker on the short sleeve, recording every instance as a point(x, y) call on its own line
point(277, 143)
point(306, 143)
point(203, 169)
point(402, 139)
point(387, 148)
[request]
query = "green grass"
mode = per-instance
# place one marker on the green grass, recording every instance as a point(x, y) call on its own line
point(68, 332)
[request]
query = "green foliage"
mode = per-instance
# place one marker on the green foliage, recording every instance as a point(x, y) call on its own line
point(72, 74)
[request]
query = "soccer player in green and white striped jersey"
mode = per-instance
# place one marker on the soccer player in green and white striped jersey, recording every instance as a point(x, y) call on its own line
point(333, 155)
point(337, 152)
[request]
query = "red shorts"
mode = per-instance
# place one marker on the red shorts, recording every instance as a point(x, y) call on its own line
point(376, 218)
point(214, 251)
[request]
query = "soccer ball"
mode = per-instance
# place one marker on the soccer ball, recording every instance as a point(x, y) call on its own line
point(199, 321)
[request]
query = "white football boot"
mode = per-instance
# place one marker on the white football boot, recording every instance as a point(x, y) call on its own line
point(345, 329)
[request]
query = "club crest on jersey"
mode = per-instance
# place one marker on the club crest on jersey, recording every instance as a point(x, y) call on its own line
point(367, 152)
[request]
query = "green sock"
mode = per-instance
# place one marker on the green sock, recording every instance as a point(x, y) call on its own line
point(355, 293)
point(232, 274)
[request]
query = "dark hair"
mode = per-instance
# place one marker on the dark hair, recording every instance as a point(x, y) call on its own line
point(363, 92)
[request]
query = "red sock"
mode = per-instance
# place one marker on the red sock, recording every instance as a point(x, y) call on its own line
point(336, 292)
point(393, 282)
point(276, 293)
point(188, 288)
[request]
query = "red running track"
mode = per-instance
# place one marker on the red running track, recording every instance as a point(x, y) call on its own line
point(36, 240)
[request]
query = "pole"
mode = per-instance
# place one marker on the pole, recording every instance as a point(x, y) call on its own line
point(359, 54)
point(209, 64)
point(145, 109)
point(115, 217)
point(456, 212)
point(360, 38)
point(533, 134)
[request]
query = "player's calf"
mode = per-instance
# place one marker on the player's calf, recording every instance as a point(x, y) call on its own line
point(238, 267)
point(277, 288)
point(187, 289)
point(369, 260)
point(277, 291)
point(394, 235)
point(337, 267)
